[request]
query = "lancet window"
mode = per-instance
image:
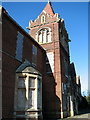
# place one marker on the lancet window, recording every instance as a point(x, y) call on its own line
point(42, 19)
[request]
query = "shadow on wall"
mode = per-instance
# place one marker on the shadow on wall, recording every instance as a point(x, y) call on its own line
point(51, 102)
point(84, 106)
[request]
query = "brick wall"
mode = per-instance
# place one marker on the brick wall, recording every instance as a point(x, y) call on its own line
point(52, 92)
point(10, 63)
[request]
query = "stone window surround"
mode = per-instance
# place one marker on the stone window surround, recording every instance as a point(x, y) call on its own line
point(37, 77)
point(47, 31)
point(42, 18)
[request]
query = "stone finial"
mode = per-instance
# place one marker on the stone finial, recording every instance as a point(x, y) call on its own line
point(62, 20)
point(57, 15)
point(48, 1)
point(31, 21)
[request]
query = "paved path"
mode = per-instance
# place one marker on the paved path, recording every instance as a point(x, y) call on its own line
point(83, 115)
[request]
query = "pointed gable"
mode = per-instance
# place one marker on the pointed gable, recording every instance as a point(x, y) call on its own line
point(26, 67)
point(46, 16)
point(48, 9)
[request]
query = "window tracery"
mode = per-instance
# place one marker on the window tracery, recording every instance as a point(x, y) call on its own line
point(43, 35)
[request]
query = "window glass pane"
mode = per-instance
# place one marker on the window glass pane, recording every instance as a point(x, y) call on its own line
point(62, 88)
point(40, 37)
point(38, 99)
point(47, 59)
point(44, 36)
point(66, 67)
point(31, 99)
point(21, 99)
point(19, 46)
point(31, 82)
point(64, 102)
point(21, 83)
point(65, 87)
point(49, 37)
point(42, 19)
point(34, 49)
point(50, 66)
point(34, 55)
point(38, 84)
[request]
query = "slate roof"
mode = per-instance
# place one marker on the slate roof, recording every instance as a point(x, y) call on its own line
point(27, 67)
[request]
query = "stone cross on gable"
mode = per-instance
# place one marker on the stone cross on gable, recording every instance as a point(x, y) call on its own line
point(48, 1)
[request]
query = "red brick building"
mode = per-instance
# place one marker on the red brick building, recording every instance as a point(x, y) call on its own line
point(18, 48)
point(49, 31)
point(36, 68)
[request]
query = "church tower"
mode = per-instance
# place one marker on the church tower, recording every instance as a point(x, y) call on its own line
point(49, 31)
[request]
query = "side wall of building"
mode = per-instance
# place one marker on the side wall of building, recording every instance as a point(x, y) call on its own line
point(10, 63)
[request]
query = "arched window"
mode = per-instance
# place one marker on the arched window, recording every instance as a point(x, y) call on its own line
point(40, 37)
point(42, 19)
point(48, 36)
point(44, 32)
point(43, 35)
